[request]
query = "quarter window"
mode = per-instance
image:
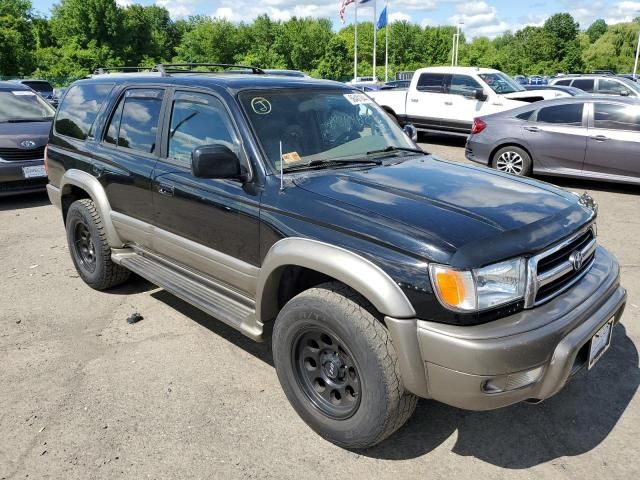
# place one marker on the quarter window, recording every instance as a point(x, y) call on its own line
point(80, 108)
point(135, 121)
point(463, 85)
point(563, 82)
point(196, 120)
point(617, 117)
point(431, 82)
point(585, 84)
point(562, 114)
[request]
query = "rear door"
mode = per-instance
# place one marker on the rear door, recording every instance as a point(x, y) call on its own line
point(558, 136)
point(585, 84)
point(614, 140)
point(427, 103)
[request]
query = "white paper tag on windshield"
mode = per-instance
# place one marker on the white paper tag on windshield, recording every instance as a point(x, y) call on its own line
point(19, 93)
point(357, 98)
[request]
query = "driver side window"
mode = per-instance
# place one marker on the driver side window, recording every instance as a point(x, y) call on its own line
point(464, 85)
point(198, 119)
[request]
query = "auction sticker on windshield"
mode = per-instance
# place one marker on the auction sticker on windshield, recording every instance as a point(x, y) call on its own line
point(261, 105)
point(357, 98)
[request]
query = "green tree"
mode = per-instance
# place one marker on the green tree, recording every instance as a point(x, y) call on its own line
point(615, 50)
point(17, 39)
point(336, 63)
point(89, 23)
point(210, 41)
point(596, 30)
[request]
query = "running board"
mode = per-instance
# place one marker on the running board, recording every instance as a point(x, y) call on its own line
point(218, 301)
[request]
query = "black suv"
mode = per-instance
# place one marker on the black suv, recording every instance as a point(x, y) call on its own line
point(297, 210)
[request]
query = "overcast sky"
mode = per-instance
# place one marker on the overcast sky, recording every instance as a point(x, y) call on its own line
point(483, 17)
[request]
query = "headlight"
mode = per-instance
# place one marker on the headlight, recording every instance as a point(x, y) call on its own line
point(479, 289)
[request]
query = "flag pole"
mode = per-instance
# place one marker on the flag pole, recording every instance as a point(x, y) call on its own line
point(375, 30)
point(355, 47)
point(386, 41)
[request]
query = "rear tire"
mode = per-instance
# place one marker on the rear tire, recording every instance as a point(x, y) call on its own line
point(359, 400)
point(89, 249)
point(513, 160)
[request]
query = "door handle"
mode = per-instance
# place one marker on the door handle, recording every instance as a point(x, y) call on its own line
point(497, 104)
point(448, 103)
point(599, 138)
point(165, 189)
point(532, 129)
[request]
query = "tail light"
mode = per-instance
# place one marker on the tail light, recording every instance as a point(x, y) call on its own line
point(46, 159)
point(478, 126)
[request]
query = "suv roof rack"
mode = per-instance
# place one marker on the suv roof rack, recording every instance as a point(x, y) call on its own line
point(169, 68)
point(105, 70)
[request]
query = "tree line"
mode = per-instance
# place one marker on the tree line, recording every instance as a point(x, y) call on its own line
point(80, 35)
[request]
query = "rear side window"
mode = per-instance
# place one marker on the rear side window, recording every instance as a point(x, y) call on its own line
point(431, 82)
point(617, 117)
point(563, 82)
point(562, 114)
point(585, 84)
point(80, 108)
point(134, 123)
point(525, 115)
point(39, 86)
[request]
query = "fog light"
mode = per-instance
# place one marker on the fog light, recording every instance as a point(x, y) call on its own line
point(513, 381)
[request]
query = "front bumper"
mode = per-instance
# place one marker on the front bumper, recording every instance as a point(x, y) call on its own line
point(453, 364)
point(13, 182)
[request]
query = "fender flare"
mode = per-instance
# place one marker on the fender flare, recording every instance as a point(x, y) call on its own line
point(95, 190)
point(350, 268)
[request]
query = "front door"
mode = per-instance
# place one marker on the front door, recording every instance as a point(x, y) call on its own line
point(614, 140)
point(209, 225)
point(462, 104)
point(427, 104)
point(557, 137)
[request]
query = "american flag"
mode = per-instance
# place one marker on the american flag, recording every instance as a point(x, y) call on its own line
point(343, 7)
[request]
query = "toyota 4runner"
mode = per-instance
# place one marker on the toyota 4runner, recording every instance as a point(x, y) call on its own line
point(297, 210)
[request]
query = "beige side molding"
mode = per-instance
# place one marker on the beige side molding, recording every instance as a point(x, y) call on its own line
point(351, 269)
point(94, 188)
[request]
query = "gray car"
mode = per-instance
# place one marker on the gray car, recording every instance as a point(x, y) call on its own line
point(601, 84)
point(25, 120)
point(593, 137)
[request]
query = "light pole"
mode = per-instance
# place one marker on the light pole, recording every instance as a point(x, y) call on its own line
point(635, 66)
point(456, 46)
point(458, 41)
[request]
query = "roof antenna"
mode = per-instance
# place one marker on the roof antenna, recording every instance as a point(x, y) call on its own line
point(281, 168)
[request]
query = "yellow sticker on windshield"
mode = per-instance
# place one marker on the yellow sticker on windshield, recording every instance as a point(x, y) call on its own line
point(290, 157)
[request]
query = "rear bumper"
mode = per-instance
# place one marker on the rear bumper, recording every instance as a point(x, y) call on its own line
point(477, 152)
point(453, 364)
point(13, 181)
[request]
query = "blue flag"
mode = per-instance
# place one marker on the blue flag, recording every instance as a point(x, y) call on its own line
point(382, 21)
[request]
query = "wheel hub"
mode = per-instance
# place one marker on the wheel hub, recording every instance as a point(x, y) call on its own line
point(333, 367)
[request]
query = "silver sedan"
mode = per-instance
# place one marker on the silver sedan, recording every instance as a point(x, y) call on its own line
point(582, 137)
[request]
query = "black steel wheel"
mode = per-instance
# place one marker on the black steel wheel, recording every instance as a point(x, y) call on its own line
point(89, 248)
point(338, 367)
point(84, 247)
point(327, 373)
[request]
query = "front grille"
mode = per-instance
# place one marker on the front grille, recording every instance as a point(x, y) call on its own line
point(18, 154)
point(558, 268)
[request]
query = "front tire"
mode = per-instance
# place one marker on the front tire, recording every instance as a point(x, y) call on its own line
point(89, 249)
point(338, 367)
point(513, 160)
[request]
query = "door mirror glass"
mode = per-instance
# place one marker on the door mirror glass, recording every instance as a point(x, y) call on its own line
point(625, 93)
point(411, 131)
point(215, 161)
point(480, 95)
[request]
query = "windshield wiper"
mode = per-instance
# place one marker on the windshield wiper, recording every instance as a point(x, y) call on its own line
point(27, 120)
point(335, 162)
point(392, 148)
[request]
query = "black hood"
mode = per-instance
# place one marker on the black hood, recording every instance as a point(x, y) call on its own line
point(466, 216)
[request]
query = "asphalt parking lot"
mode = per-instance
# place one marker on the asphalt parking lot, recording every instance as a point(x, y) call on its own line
point(179, 395)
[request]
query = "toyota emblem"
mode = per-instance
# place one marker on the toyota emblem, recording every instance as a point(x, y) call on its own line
point(576, 260)
point(28, 144)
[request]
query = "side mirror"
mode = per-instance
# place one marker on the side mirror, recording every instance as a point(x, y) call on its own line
point(411, 132)
point(480, 95)
point(215, 161)
point(625, 93)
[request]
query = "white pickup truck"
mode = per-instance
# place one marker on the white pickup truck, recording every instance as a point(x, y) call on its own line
point(447, 99)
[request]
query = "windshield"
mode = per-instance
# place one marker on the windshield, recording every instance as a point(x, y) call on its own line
point(320, 126)
point(23, 106)
point(500, 83)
